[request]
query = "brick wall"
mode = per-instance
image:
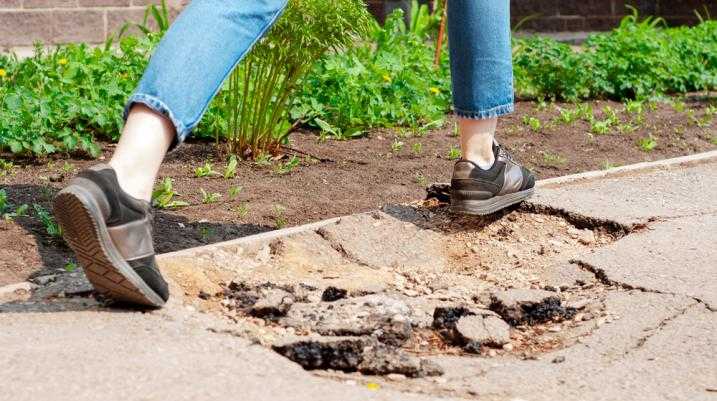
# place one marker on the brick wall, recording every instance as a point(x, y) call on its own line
point(584, 15)
point(23, 22)
point(599, 15)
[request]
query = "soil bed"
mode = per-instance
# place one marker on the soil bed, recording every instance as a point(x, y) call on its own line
point(339, 178)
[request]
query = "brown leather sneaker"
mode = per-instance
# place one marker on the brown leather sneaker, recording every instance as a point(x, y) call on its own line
point(111, 233)
point(481, 192)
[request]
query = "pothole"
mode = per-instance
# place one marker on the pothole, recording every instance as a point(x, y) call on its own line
point(382, 293)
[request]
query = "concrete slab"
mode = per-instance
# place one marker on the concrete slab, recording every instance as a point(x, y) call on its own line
point(165, 355)
point(677, 256)
point(586, 371)
point(639, 197)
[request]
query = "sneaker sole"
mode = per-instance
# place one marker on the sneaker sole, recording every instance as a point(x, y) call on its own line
point(85, 232)
point(492, 205)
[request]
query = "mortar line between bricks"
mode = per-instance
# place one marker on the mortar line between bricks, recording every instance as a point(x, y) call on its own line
point(603, 278)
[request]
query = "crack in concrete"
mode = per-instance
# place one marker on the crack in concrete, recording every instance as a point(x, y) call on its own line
point(654, 330)
point(586, 222)
point(336, 245)
point(601, 276)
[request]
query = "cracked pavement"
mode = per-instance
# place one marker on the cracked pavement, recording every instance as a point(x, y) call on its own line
point(654, 339)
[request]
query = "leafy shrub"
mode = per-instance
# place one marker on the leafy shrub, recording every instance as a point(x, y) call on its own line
point(637, 60)
point(389, 81)
point(62, 100)
point(259, 92)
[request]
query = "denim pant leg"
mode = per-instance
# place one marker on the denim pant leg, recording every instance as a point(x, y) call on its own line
point(481, 57)
point(204, 44)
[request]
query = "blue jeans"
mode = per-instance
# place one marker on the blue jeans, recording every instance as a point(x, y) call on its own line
point(210, 37)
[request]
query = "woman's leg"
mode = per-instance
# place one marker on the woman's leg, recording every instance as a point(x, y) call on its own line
point(105, 212)
point(486, 179)
point(482, 72)
point(185, 72)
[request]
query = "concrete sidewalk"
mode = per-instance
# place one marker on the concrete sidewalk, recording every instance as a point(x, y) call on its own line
point(656, 284)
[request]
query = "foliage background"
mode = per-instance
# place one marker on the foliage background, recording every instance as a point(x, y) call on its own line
point(66, 99)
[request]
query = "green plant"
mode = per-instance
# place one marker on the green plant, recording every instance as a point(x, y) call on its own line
point(288, 166)
point(417, 148)
point(68, 167)
point(607, 165)
point(396, 146)
point(423, 22)
point(634, 107)
point(263, 160)
point(209, 197)
point(160, 15)
point(163, 196)
point(533, 123)
point(279, 218)
point(70, 266)
point(455, 132)
point(713, 140)
point(5, 208)
point(234, 192)
point(206, 170)
point(389, 81)
point(51, 226)
point(230, 171)
point(600, 127)
point(261, 89)
point(454, 153)
point(242, 210)
point(567, 116)
point(647, 144)
point(553, 159)
point(421, 180)
point(6, 167)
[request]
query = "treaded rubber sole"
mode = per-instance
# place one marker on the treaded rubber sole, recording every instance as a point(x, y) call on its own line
point(490, 206)
point(85, 232)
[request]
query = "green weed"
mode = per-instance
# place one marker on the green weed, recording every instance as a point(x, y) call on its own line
point(396, 146)
point(263, 160)
point(230, 171)
point(207, 170)
point(242, 210)
point(288, 166)
point(234, 192)
point(553, 159)
point(163, 196)
point(209, 197)
point(279, 218)
point(6, 167)
point(70, 266)
point(607, 165)
point(48, 221)
point(454, 153)
point(421, 180)
point(647, 144)
point(417, 148)
point(634, 107)
point(600, 127)
point(533, 123)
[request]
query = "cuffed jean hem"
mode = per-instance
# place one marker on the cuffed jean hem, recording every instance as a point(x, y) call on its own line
point(158, 106)
point(484, 114)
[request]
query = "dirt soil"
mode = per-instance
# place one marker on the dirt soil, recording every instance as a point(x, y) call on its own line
point(338, 178)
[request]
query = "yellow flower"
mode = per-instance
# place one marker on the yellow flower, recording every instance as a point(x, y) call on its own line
point(3, 73)
point(62, 61)
point(435, 90)
point(386, 77)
